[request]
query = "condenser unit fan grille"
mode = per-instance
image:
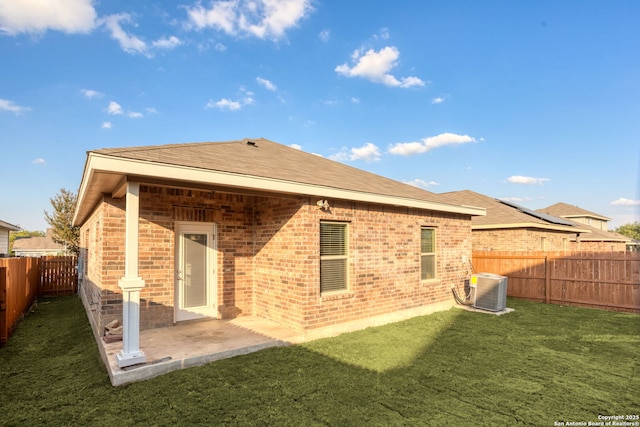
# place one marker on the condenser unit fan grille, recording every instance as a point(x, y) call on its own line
point(489, 291)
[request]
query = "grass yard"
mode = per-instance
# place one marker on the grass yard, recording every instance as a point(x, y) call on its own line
point(539, 365)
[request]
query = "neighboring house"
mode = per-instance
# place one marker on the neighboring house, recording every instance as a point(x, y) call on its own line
point(251, 227)
point(38, 246)
point(5, 229)
point(509, 227)
point(599, 239)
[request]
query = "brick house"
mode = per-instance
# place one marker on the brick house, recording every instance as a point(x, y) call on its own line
point(599, 238)
point(251, 227)
point(38, 246)
point(509, 227)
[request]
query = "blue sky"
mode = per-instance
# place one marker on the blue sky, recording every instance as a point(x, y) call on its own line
point(536, 102)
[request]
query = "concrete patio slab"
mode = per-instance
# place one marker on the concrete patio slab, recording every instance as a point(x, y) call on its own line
point(196, 343)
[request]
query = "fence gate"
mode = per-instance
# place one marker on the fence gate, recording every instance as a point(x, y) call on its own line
point(58, 276)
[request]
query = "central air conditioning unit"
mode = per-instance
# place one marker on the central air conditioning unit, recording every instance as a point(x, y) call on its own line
point(488, 291)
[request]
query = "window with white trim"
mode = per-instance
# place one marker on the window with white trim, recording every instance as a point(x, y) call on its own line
point(427, 253)
point(333, 256)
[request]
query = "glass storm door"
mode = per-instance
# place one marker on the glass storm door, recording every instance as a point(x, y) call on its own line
point(195, 278)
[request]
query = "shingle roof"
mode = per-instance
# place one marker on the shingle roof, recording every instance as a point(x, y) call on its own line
point(37, 243)
point(269, 159)
point(501, 215)
point(251, 166)
point(597, 235)
point(570, 211)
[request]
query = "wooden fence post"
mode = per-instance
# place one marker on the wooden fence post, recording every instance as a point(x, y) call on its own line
point(547, 281)
point(4, 330)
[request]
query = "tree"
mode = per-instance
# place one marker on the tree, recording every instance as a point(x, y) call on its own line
point(61, 220)
point(630, 230)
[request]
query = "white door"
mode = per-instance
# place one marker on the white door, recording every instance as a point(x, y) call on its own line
point(195, 271)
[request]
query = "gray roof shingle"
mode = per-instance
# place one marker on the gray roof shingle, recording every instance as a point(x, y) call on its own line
point(263, 158)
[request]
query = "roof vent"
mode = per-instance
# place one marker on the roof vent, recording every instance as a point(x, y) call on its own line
point(252, 143)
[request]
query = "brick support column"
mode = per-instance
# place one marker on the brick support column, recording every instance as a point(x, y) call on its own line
point(131, 284)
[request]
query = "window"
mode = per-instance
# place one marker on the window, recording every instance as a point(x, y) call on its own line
point(333, 256)
point(427, 253)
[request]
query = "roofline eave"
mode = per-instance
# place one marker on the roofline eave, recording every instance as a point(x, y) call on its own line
point(594, 216)
point(103, 163)
point(552, 227)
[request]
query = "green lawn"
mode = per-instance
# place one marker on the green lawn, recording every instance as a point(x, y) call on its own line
point(538, 365)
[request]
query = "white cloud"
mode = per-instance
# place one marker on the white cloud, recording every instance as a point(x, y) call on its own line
point(437, 100)
point(625, 202)
point(207, 44)
point(384, 33)
point(135, 114)
point(265, 19)
point(106, 125)
point(376, 67)
point(528, 180)
point(324, 35)
point(38, 161)
point(224, 104)
point(128, 43)
point(266, 83)
point(421, 183)
point(296, 146)
point(167, 42)
point(246, 98)
point(355, 100)
point(151, 110)
point(7, 105)
point(131, 43)
point(114, 108)
point(89, 93)
point(38, 16)
point(368, 152)
point(426, 144)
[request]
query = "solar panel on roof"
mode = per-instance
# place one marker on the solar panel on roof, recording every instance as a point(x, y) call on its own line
point(545, 217)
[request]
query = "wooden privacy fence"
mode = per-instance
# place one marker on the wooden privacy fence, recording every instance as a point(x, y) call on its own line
point(22, 280)
point(608, 280)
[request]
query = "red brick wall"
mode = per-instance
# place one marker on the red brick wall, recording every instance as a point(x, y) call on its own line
point(521, 239)
point(286, 264)
point(598, 246)
point(102, 245)
point(160, 209)
point(268, 257)
point(384, 261)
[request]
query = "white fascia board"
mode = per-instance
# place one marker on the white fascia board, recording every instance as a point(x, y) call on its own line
point(554, 227)
point(593, 216)
point(104, 163)
point(82, 191)
point(8, 226)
